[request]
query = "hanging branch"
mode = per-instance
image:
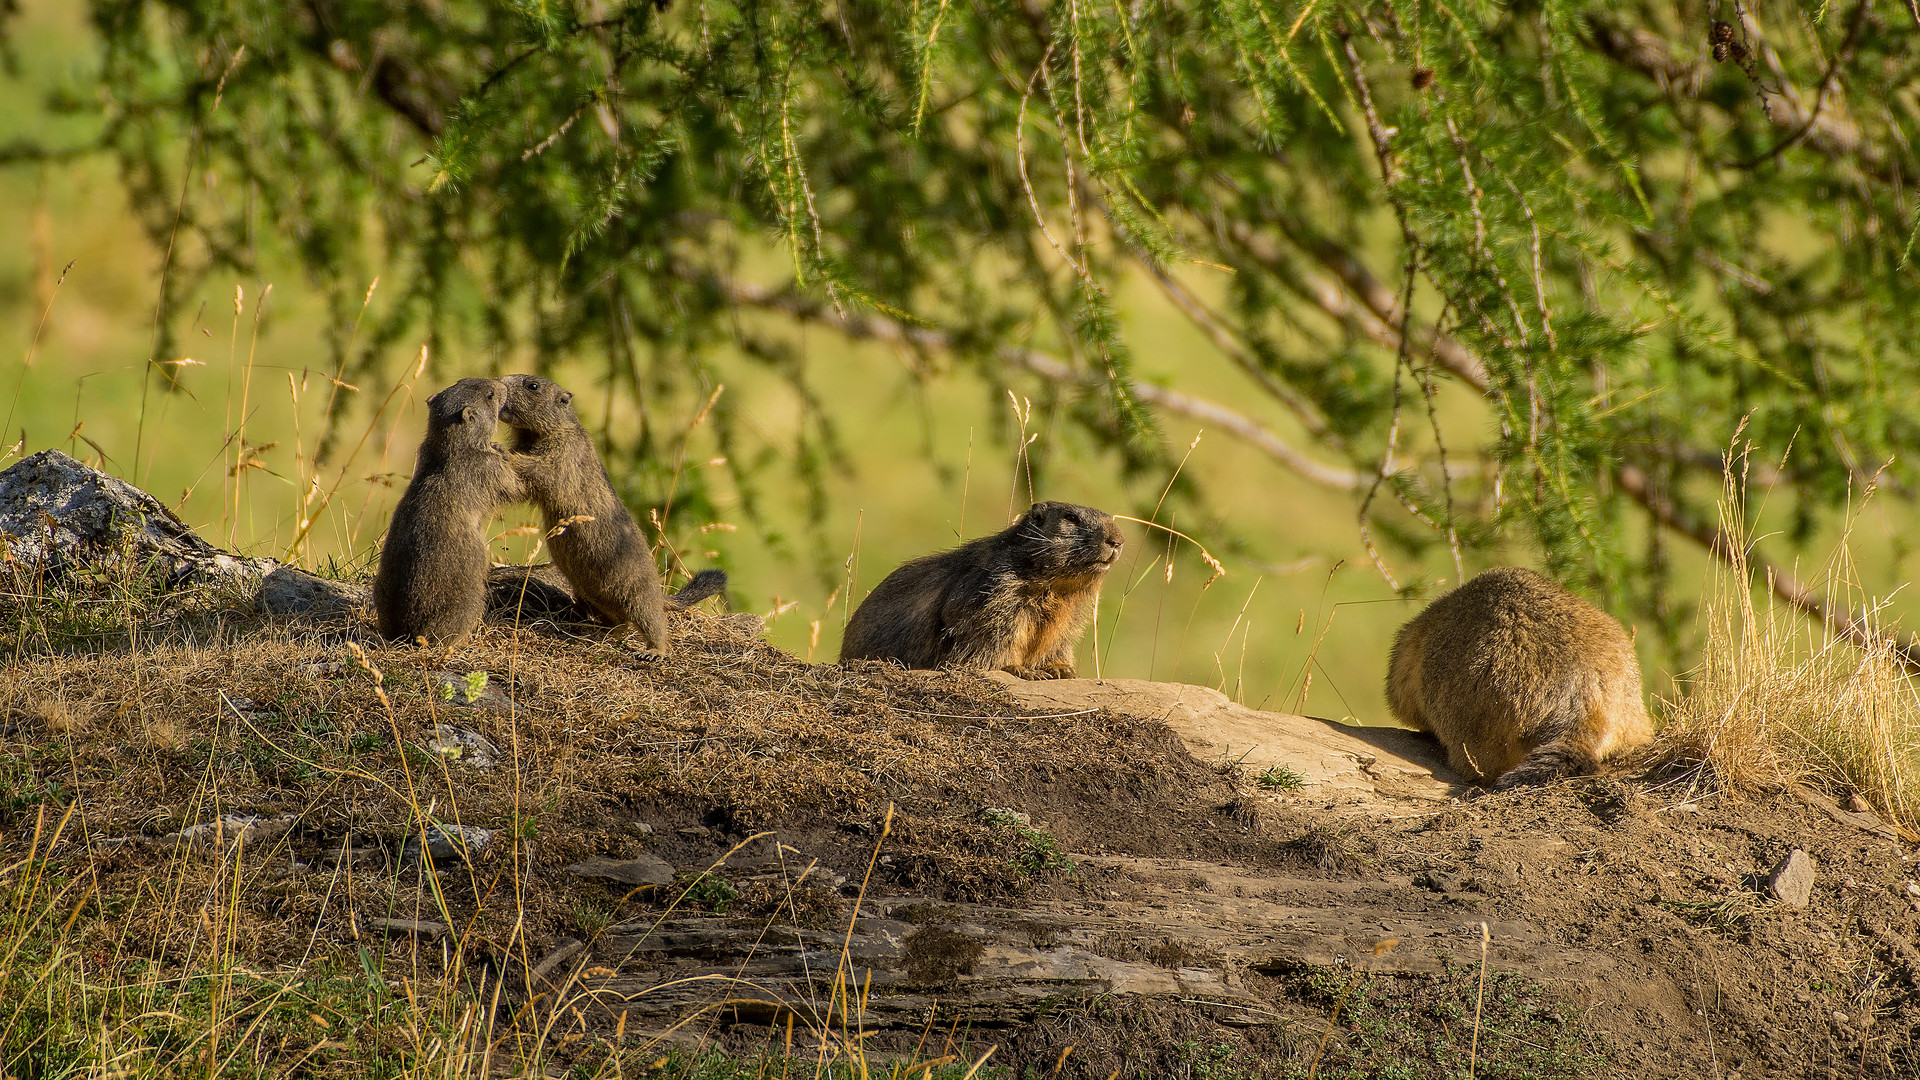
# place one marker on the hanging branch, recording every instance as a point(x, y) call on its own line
point(1051, 368)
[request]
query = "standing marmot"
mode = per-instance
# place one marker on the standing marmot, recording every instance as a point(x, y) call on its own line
point(606, 559)
point(1017, 601)
point(432, 580)
point(1519, 679)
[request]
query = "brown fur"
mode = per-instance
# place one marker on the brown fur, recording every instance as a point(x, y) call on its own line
point(1015, 601)
point(432, 579)
point(1519, 679)
point(607, 560)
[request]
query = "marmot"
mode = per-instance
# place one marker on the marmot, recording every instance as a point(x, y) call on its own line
point(1519, 679)
point(1016, 601)
point(607, 559)
point(432, 580)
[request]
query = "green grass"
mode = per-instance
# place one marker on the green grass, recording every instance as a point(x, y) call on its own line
point(1281, 778)
point(1409, 1028)
point(1037, 854)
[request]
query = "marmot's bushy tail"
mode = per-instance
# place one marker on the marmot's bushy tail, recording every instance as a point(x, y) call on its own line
point(1549, 762)
point(704, 584)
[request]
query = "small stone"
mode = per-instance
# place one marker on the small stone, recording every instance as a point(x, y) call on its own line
point(694, 832)
point(641, 870)
point(465, 745)
point(639, 828)
point(1791, 882)
point(1911, 888)
point(1858, 804)
point(446, 842)
point(1841, 1018)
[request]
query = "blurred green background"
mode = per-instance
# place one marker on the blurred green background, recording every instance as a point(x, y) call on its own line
point(1301, 620)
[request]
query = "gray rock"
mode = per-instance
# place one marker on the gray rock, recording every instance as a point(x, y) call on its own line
point(57, 514)
point(1791, 882)
point(291, 591)
point(446, 842)
point(424, 930)
point(643, 870)
point(464, 745)
point(525, 593)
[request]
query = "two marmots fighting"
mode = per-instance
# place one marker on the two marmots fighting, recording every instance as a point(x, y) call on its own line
point(432, 580)
point(1518, 679)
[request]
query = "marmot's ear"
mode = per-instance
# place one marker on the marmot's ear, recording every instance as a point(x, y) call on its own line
point(469, 414)
point(566, 397)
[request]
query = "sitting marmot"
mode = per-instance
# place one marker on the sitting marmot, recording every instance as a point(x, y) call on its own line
point(432, 580)
point(1519, 679)
point(1015, 601)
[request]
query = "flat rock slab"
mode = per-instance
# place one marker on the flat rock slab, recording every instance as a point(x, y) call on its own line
point(638, 871)
point(1351, 767)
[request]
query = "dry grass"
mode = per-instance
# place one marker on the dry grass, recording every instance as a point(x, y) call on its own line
point(1779, 700)
point(125, 716)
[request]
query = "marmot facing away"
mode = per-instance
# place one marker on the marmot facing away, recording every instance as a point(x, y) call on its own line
point(1519, 679)
point(1016, 601)
point(432, 580)
point(606, 559)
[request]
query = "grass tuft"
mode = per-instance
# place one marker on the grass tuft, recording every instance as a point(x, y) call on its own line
point(1777, 700)
point(1281, 778)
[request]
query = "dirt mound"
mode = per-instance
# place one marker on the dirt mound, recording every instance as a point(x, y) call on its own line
point(729, 844)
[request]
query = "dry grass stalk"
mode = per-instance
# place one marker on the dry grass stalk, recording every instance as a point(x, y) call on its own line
point(1780, 700)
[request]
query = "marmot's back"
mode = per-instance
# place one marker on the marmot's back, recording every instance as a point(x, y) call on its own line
point(1015, 601)
point(432, 579)
point(1519, 679)
point(601, 550)
point(900, 619)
